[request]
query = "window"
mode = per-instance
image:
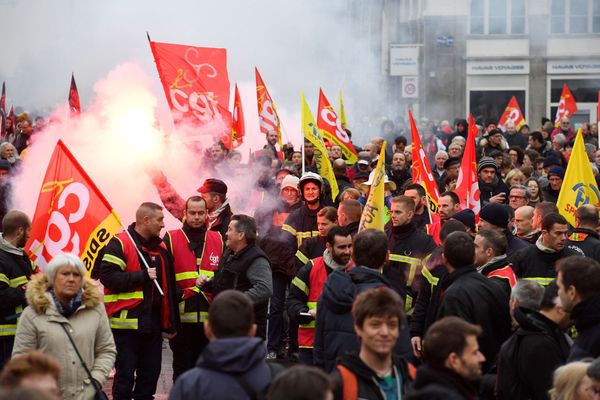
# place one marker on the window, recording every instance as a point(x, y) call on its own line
point(490, 104)
point(575, 16)
point(497, 17)
point(583, 90)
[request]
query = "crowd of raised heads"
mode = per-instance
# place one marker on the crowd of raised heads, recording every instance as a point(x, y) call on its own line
point(298, 300)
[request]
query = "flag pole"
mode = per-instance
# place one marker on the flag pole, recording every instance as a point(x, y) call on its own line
point(143, 259)
point(303, 159)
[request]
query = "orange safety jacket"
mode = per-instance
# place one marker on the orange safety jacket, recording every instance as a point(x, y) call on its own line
point(317, 278)
point(188, 268)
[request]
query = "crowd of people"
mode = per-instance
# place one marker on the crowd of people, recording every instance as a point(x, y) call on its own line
point(296, 302)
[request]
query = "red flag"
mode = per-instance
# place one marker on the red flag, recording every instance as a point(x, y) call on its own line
point(467, 185)
point(3, 111)
point(195, 81)
point(11, 116)
point(74, 104)
point(71, 214)
point(421, 171)
point(512, 112)
point(331, 128)
point(567, 105)
point(267, 113)
point(236, 137)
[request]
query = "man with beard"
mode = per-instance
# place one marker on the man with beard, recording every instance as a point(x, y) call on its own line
point(421, 214)
point(578, 284)
point(537, 262)
point(8, 152)
point(399, 173)
point(556, 175)
point(214, 193)
point(453, 362)
point(408, 247)
point(134, 265)
point(15, 272)
point(271, 138)
point(272, 240)
point(196, 253)
point(308, 283)
point(491, 187)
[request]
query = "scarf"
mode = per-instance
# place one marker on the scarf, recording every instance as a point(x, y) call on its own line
point(66, 310)
point(331, 263)
point(9, 247)
point(213, 216)
point(543, 248)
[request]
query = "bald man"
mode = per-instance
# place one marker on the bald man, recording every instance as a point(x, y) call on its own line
point(524, 228)
point(585, 236)
point(349, 213)
point(137, 311)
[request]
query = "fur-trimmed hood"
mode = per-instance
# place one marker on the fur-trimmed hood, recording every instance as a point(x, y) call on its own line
point(39, 300)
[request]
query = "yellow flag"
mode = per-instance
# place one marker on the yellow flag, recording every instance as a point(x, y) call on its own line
point(579, 186)
point(374, 213)
point(341, 112)
point(311, 133)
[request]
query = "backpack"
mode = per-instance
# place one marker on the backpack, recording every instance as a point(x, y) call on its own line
point(274, 369)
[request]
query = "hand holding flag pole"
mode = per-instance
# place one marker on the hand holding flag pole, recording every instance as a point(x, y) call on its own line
point(143, 260)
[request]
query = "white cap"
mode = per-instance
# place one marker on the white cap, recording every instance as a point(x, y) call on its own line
point(290, 181)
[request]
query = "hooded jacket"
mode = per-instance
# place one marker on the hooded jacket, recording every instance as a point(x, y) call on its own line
point(334, 333)
point(587, 321)
point(220, 361)
point(471, 296)
point(40, 328)
point(528, 367)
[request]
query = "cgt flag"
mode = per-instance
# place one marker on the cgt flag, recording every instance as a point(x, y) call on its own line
point(422, 172)
point(375, 212)
point(195, 81)
point(71, 214)
point(238, 128)
point(311, 133)
point(74, 104)
point(567, 105)
point(579, 186)
point(513, 113)
point(467, 184)
point(267, 113)
point(331, 129)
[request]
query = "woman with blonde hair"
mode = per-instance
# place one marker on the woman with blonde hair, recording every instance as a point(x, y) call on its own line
point(571, 382)
point(66, 319)
point(515, 177)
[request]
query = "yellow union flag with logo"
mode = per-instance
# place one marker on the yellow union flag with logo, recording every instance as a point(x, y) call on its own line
point(579, 186)
point(311, 133)
point(375, 213)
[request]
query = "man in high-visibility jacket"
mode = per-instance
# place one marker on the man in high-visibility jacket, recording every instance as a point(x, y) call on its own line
point(15, 271)
point(138, 313)
point(196, 253)
point(308, 283)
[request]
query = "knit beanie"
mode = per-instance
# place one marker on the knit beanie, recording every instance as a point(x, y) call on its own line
point(486, 162)
point(495, 214)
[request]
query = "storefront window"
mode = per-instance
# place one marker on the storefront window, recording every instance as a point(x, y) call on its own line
point(497, 17)
point(486, 104)
point(583, 90)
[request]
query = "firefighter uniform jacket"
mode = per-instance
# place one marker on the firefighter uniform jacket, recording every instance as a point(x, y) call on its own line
point(193, 258)
point(131, 298)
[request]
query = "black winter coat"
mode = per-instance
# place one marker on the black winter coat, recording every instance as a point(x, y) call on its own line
point(440, 384)
point(18, 270)
point(366, 378)
point(531, 262)
point(490, 190)
point(334, 332)
point(587, 240)
point(476, 299)
point(587, 321)
point(541, 348)
point(406, 241)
